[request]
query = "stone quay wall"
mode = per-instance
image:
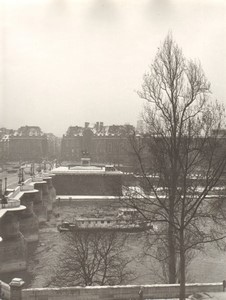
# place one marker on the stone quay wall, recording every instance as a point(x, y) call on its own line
point(127, 292)
point(15, 291)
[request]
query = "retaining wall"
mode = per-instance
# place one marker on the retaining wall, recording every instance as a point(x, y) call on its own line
point(128, 292)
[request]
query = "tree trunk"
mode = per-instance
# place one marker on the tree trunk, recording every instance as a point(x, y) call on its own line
point(171, 243)
point(172, 255)
point(171, 232)
point(182, 266)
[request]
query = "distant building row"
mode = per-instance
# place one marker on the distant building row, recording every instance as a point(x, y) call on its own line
point(103, 144)
point(27, 143)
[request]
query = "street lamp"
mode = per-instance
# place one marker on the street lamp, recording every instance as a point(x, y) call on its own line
point(5, 185)
point(3, 196)
point(32, 171)
point(4, 201)
point(21, 176)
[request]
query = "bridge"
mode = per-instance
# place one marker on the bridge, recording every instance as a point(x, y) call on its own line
point(23, 208)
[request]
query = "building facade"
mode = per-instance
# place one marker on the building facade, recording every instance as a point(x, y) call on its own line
point(87, 180)
point(28, 143)
point(103, 144)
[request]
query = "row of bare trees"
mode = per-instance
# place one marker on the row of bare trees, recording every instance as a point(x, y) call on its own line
point(92, 258)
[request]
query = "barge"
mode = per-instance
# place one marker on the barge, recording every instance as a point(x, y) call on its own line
point(126, 221)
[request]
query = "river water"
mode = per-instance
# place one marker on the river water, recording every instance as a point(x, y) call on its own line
point(208, 267)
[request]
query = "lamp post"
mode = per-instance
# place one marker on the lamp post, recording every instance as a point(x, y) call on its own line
point(21, 176)
point(5, 185)
point(44, 166)
point(32, 170)
point(1, 188)
point(4, 201)
point(3, 196)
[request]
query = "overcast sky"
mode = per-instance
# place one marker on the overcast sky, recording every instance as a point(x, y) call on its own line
point(64, 62)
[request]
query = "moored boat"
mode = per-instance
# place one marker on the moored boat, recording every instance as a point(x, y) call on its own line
point(124, 221)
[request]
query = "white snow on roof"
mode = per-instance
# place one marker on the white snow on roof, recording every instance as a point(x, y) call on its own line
point(84, 170)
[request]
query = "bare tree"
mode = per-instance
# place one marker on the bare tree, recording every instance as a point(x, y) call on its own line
point(92, 258)
point(186, 151)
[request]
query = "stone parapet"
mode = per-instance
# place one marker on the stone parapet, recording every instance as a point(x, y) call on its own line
point(127, 292)
point(16, 286)
point(11, 203)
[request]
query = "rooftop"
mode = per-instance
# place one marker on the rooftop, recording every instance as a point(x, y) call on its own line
point(99, 129)
point(84, 170)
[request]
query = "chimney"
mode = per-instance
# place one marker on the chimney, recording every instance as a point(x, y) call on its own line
point(1, 193)
point(86, 125)
point(97, 126)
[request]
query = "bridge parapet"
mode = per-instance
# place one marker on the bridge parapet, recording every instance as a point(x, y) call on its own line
point(28, 181)
point(14, 192)
point(37, 179)
point(11, 203)
point(26, 187)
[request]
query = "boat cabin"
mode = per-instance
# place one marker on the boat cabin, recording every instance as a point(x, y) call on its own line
point(128, 213)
